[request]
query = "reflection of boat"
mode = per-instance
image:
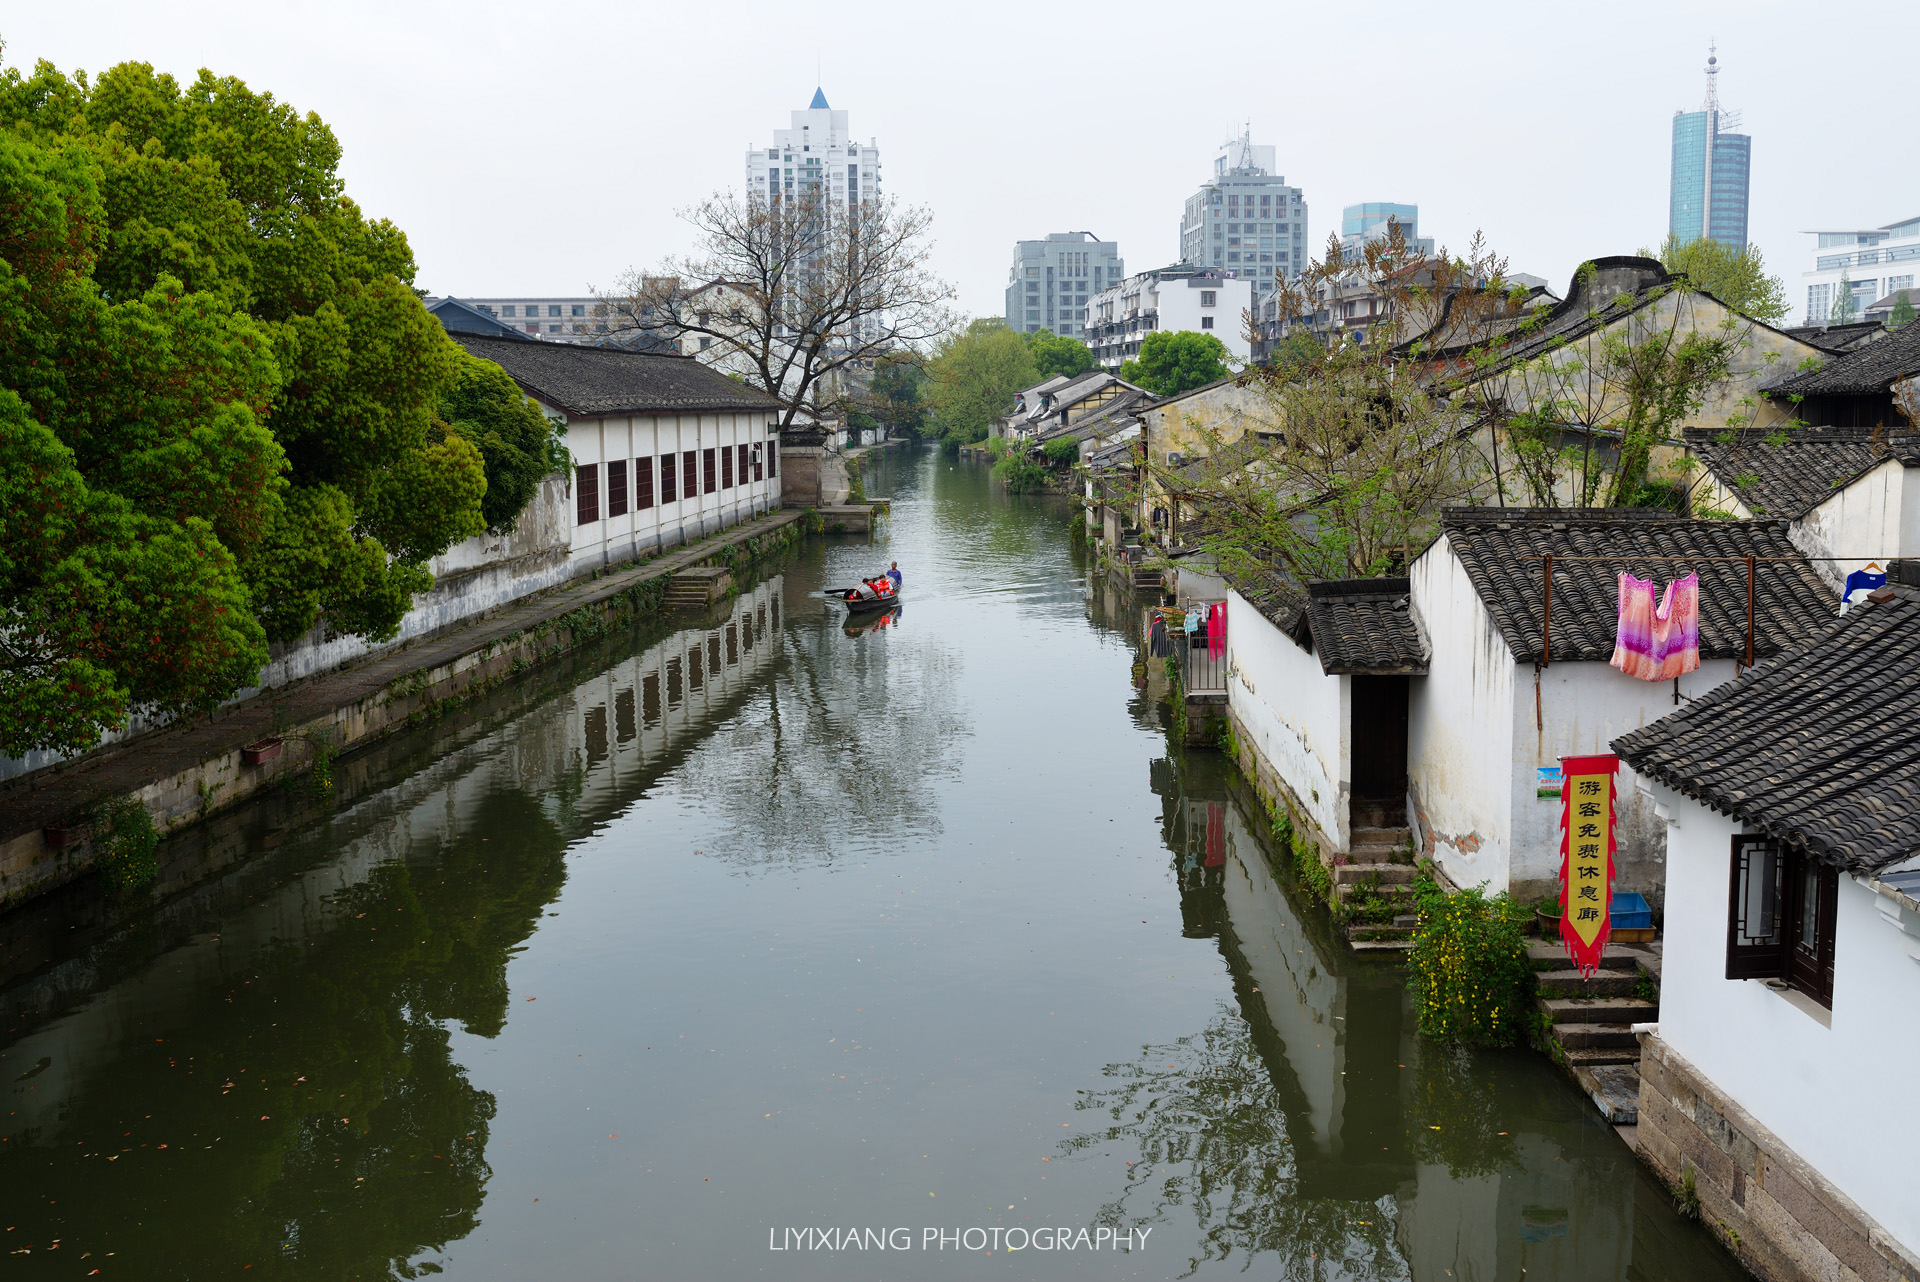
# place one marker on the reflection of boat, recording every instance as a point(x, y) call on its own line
point(864, 621)
point(873, 594)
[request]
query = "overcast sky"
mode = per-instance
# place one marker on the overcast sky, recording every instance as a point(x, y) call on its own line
point(530, 148)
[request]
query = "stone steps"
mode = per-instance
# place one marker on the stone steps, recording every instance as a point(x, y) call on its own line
point(1599, 1056)
point(1571, 983)
point(1597, 1037)
point(1392, 877)
point(1600, 1010)
point(1551, 954)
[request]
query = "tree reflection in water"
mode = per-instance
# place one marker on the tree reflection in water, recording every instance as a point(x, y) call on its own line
point(349, 1144)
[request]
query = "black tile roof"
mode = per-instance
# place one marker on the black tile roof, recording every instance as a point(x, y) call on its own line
point(1280, 598)
point(1494, 544)
point(1364, 626)
point(1836, 338)
point(1787, 477)
point(591, 382)
point(1815, 747)
point(1864, 371)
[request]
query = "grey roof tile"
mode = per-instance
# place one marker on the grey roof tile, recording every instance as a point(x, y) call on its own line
point(1865, 370)
point(1815, 746)
point(1788, 477)
point(1364, 626)
point(591, 382)
point(1501, 549)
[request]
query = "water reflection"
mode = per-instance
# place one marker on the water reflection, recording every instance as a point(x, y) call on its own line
point(1305, 1126)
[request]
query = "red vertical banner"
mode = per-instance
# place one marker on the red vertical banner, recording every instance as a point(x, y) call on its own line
point(1586, 857)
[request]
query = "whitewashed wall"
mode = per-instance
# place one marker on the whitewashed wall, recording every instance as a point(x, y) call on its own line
point(1824, 1088)
point(1584, 707)
point(1872, 519)
point(1460, 750)
point(614, 539)
point(1296, 715)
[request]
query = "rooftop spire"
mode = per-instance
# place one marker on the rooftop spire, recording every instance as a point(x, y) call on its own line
point(819, 99)
point(1713, 77)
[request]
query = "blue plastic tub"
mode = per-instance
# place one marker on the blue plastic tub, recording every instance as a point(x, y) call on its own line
point(1630, 910)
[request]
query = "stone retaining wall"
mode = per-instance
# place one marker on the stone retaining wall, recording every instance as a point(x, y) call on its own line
point(1778, 1215)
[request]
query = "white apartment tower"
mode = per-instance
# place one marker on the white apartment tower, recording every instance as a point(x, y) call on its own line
point(1246, 219)
point(818, 156)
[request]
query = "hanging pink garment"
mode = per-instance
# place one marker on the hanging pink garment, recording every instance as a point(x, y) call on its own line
point(1217, 629)
point(1658, 643)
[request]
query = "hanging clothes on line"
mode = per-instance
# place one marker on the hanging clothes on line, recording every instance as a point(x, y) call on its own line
point(1658, 642)
point(1157, 644)
point(1868, 578)
point(1217, 630)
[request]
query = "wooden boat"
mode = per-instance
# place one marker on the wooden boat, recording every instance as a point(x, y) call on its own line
point(875, 594)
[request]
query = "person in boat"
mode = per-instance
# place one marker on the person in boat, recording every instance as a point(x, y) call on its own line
point(893, 572)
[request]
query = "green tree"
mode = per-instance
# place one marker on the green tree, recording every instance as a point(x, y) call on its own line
point(1736, 275)
point(897, 392)
point(519, 445)
point(1054, 355)
point(1902, 310)
point(1171, 362)
point(1843, 310)
point(974, 375)
point(220, 400)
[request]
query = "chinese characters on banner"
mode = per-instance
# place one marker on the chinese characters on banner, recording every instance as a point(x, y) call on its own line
point(1586, 856)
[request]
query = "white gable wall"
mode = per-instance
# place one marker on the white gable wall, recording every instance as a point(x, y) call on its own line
point(1823, 1088)
point(1872, 519)
point(1460, 749)
point(1296, 715)
point(1584, 707)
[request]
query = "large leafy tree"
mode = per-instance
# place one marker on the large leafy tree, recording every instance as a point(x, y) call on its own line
point(1054, 355)
point(974, 375)
point(1736, 275)
point(218, 400)
point(1175, 361)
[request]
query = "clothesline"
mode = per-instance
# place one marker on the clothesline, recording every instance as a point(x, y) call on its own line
point(1752, 563)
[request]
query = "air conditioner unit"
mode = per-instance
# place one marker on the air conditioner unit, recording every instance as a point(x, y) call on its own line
point(1176, 459)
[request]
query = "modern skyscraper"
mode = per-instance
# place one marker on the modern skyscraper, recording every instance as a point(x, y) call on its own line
point(1245, 218)
point(1710, 162)
point(1052, 278)
point(1362, 223)
point(818, 157)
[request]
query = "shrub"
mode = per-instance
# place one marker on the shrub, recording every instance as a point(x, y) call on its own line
point(125, 843)
point(1021, 473)
point(1468, 969)
point(1062, 449)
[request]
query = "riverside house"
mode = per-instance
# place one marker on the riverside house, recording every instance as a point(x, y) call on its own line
point(1435, 702)
point(1791, 803)
point(665, 450)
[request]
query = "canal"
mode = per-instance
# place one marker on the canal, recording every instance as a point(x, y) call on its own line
point(748, 933)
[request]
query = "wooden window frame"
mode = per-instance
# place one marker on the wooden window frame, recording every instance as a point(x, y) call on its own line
point(586, 494)
point(726, 468)
point(690, 475)
point(744, 461)
point(616, 487)
point(709, 471)
point(642, 484)
point(759, 465)
point(773, 458)
point(1781, 950)
point(669, 491)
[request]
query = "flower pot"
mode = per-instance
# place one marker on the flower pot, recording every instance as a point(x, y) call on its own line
point(261, 751)
point(1549, 924)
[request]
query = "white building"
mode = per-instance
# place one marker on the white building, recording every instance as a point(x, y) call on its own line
point(1876, 261)
point(1791, 973)
point(561, 318)
point(1439, 701)
point(665, 450)
point(1182, 297)
point(818, 157)
point(1246, 219)
point(1051, 280)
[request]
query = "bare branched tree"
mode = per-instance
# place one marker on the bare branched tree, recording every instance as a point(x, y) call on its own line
point(793, 297)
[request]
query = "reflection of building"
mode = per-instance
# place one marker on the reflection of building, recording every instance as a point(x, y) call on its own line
point(1708, 195)
point(1051, 280)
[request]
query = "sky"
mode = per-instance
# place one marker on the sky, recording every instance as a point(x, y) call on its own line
point(538, 148)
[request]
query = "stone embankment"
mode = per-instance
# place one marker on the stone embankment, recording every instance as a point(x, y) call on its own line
point(185, 772)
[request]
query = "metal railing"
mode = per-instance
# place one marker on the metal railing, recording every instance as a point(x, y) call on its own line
point(1203, 657)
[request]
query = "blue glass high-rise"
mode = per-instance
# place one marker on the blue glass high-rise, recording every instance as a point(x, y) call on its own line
point(1711, 163)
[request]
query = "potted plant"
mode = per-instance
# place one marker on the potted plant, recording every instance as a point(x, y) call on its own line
point(1547, 917)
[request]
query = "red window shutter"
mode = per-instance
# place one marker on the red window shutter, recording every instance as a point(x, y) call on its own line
point(642, 484)
point(759, 465)
point(710, 471)
point(726, 469)
point(690, 474)
point(617, 487)
point(586, 494)
point(668, 492)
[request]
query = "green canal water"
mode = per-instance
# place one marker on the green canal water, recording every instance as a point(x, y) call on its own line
point(747, 933)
